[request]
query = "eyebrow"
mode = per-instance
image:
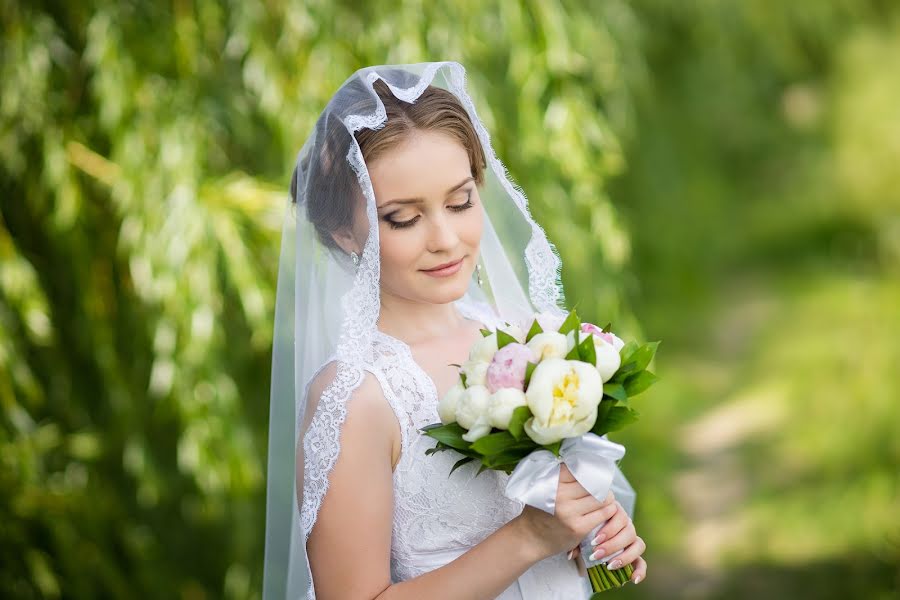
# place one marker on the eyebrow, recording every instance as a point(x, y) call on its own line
point(417, 200)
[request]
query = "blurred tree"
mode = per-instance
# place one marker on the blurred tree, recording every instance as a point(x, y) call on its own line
point(138, 246)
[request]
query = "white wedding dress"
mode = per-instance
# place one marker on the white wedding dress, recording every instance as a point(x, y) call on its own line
point(439, 517)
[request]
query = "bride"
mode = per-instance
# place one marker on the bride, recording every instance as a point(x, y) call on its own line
point(405, 238)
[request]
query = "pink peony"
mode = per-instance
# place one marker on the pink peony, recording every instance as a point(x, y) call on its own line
point(591, 328)
point(607, 337)
point(507, 368)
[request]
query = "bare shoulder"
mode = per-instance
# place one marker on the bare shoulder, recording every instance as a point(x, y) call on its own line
point(356, 511)
point(370, 420)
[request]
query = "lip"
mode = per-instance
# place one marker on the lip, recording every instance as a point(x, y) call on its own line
point(445, 269)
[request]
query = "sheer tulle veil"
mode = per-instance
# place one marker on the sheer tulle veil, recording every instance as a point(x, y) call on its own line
point(327, 306)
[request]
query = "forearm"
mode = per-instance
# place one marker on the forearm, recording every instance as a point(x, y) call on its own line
point(483, 572)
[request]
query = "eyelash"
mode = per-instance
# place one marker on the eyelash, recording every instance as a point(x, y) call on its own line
point(457, 208)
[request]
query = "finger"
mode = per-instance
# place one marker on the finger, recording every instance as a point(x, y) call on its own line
point(575, 490)
point(574, 553)
point(623, 539)
point(640, 570)
point(587, 505)
point(597, 517)
point(565, 475)
point(616, 523)
point(629, 555)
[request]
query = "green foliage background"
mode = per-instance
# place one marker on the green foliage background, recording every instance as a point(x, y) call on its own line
point(719, 175)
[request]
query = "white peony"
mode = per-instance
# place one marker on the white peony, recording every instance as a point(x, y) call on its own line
point(448, 404)
point(484, 349)
point(480, 428)
point(515, 331)
point(608, 359)
point(502, 404)
point(472, 404)
point(563, 396)
point(551, 344)
point(476, 372)
point(606, 347)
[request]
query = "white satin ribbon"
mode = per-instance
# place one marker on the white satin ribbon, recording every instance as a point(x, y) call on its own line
point(590, 458)
point(592, 461)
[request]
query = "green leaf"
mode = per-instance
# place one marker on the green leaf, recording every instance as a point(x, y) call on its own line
point(625, 370)
point(570, 324)
point(587, 350)
point(508, 457)
point(493, 443)
point(535, 329)
point(607, 328)
point(639, 382)
point(462, 378)
point(504, 338)
point(615, 390)
point(627, 350)
point(554, 447)
point(460, 463)
point(529, 369)
point(573, 353)
point(643, 355)
point(517, 423)
point(485, 332)
point(451, 435)
point(617, 418)
point(602, 414)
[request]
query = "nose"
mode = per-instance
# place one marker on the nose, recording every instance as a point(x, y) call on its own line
point(441, 234)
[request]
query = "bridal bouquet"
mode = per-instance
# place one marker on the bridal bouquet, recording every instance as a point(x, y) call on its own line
point(527, 401)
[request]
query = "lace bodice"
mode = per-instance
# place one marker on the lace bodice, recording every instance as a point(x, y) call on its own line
point(439, 517)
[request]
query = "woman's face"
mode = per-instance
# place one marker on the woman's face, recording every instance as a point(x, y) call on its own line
point(430, 218)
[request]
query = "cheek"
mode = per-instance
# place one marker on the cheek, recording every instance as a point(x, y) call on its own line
point(399, 250)
point(472, 226)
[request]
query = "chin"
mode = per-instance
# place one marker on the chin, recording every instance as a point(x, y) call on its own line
point(445, 293)
point(423, 288)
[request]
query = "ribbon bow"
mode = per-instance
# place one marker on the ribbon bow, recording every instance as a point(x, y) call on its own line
point(590, 458)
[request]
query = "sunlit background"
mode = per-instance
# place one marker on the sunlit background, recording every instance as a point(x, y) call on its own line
point(723, 176)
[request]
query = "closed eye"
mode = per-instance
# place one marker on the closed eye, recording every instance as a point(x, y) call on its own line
point(454, 207)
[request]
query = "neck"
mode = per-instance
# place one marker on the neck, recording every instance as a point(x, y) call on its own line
point(416, 322)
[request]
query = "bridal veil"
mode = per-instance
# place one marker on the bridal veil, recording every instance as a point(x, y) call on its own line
point(327, 304)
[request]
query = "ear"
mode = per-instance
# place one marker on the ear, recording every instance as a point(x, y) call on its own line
point(345, 240)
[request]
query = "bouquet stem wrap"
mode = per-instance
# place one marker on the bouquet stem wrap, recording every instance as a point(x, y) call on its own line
point(592, 461)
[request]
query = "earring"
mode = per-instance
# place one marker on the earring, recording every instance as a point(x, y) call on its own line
point(478, 274)
point(355, 258)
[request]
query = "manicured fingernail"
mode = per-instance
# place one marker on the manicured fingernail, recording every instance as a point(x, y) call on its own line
point(598, 553)
point(569, 555)
point(599, 539)
point(637, 580)
point(614, 565)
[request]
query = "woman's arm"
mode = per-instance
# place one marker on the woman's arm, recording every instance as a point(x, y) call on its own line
point(482, 572)
point(350, 546)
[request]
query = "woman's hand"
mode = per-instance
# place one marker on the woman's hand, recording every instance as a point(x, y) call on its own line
point(577, 513)
point(619, 534)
